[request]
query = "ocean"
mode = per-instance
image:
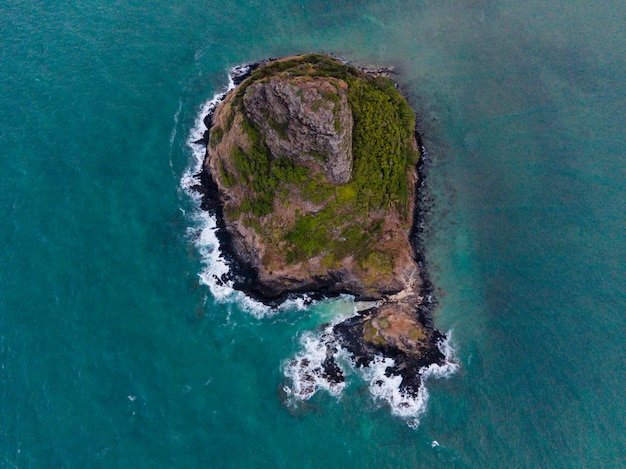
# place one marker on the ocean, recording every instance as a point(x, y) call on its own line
point(119, 349)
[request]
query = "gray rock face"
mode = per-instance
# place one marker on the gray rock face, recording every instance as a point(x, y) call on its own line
point(307, 120)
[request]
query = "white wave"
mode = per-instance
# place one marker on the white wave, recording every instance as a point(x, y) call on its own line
point(305, 371)
point(387, 388)
point(214, 266)
point(306, 374)
point(403, 404)
point(450, 365)
point(197, 131)
point(237, 72)
point(215, 269)
point(215, 272)
point(299, 303)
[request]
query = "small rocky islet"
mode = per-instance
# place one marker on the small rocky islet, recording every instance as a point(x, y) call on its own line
point(311, 168)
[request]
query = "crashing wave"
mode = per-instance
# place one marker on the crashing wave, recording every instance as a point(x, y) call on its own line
point(405, 404)
point(314, 368)
point(321, 365)
point(215, 268)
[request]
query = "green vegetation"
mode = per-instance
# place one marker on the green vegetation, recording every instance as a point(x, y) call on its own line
point(383, 131)
point(337, 125)
point(371, 335)
point(311, 65)
point(227, 178)
point(416, 334)
point(382, 158)
point(264, 174)
point(229, 119)
point(216, 136)
point(280, 127)
point(306, 237)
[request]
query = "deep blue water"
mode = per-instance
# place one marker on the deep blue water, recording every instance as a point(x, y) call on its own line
point(114, 353)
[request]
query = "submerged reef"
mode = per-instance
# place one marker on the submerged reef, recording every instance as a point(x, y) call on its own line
point(311, 168)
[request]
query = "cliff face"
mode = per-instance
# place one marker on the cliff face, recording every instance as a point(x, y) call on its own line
point(305, 120)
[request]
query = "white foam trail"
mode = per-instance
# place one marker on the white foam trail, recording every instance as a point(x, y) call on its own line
point(197, 133)
point(174, 129)
point(387, 388)
point(203, 231)
point(402, 404)
point(306, 374)
point(305, 371)
point(215, 271)
point(450, 365)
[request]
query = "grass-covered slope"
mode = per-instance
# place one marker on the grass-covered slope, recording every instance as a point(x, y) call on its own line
point(288, 209)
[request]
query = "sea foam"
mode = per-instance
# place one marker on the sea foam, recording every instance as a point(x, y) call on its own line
point(404, 404)
point(204, 225)
point(306, 374)
point(203, 232)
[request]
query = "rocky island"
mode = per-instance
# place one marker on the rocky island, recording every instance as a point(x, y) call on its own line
point(312, 170)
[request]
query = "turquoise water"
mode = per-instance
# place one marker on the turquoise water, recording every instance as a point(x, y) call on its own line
point(113, 353)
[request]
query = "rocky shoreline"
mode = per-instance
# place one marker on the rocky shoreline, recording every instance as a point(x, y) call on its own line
point(350, 332)
point(399, 328)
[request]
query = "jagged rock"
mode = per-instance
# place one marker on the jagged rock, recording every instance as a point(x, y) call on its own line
point(305, 119)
